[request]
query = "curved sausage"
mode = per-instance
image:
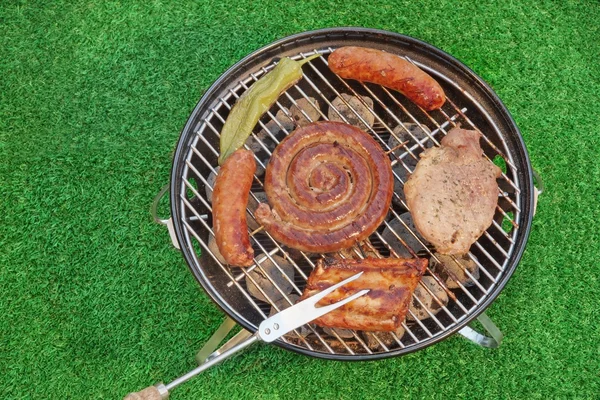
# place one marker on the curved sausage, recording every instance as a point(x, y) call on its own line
point(330, 185)
point(230, 199)
point(389, 70)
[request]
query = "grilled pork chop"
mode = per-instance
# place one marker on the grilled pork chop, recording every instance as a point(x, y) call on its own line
point(391, 282)
point(452, 194)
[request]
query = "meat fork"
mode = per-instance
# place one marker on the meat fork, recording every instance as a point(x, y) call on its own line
point(269, 330)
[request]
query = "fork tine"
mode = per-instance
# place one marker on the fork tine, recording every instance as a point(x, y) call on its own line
point(317, 297)
point(331, 307)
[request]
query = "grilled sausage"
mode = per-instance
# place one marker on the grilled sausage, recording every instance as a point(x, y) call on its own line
point(389, 70)
point(230, 199)
point(330, 186)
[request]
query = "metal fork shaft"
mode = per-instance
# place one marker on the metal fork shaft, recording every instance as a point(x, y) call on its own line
point(213, 361)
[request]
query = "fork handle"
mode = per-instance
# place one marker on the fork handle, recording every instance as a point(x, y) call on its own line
point(157, 392)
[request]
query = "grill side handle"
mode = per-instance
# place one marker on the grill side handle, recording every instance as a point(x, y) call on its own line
point(538, 189)
point(492, 341)
point(168, 222)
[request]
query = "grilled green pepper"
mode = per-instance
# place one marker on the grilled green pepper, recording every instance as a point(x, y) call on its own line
point(255, 101)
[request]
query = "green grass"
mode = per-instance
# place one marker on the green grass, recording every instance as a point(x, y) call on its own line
point(96, 302)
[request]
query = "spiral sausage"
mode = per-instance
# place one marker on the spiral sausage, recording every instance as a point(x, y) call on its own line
point(330, 185)
point(389, 70)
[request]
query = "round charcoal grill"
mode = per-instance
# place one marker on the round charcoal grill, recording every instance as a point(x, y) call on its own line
point(470, 103)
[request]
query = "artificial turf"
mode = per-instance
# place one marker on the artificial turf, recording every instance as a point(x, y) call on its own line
point(95, 302)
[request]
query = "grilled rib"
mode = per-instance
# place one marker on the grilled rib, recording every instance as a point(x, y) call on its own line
point(391, 282)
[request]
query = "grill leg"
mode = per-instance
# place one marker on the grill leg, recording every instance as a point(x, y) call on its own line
point(215, 340)
point(492, 341)
point(209, 350)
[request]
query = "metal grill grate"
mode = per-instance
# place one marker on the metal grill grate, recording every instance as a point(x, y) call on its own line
point(491, 252)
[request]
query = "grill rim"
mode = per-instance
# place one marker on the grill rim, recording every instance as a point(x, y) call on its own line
point(501, 112)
